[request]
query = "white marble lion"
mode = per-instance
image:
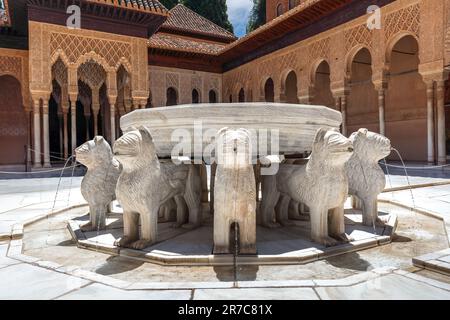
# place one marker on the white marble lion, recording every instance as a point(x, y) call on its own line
point(321, 184)
point(99, 184)
point(365, 176)
point(145, 184)
point(234, 192)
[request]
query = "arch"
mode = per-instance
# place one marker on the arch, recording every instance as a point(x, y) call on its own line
point(195, 96)
point(13, 122)
point(125, 64)
point(171, 96)
point(350, 57)
point(290, 87)
point(212, 96)
point(269, 90)
point(60, 54)
point(406, 100)
point(279, 9)
point(362, 103)
point(96, 58)
point(241, 95)
point(321, 84)
point(394, 40)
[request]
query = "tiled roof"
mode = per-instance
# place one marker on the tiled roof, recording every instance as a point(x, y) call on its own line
point(178, 43)
point(182, 18)
point(143, 5)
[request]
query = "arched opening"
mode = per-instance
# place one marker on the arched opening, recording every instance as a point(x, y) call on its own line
point(362, 106)
point(406, 101)
point(322, 86)
point(447, 116)
point(212, 96)
point(279, 9)
point(195, 96)
point(269, 91)
point(242, 95)
point(291, 89)
point(55, 120)
point(84, 117)
point(13, 122)
point(172, 97)
point(292, 4)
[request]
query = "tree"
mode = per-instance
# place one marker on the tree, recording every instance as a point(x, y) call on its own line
point(213, 10)
point(169, 4)
point(257, 16)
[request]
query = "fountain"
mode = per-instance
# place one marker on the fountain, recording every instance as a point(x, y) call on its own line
point(162, 152)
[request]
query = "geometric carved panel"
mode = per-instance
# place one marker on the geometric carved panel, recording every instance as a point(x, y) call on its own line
point(360, 35)
point(77, 46)
point(406, 19)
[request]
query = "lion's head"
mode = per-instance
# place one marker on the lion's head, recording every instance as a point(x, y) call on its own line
point(370, 146)
point(93, 153)
point(233, 148)
point(134, 147)
point(331, 147)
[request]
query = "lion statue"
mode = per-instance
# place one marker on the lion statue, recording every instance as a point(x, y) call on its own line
point(234, 192)
point(99, 184)
point(145, 185)
point(321, 184)
point(365, 176)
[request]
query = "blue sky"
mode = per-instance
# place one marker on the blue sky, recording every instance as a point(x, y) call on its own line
point(238, 12)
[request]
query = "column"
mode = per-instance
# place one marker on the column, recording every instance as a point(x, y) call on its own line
point(46, 134)
point(66, 133)
point(95, 112)
point(381, 110)
point(430, 122)
point(113, 122)
point(37, 134)
point(73, 116)
point(344, 114)
point(442, 138)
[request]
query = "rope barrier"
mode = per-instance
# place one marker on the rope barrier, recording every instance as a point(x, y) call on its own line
point(39, 172)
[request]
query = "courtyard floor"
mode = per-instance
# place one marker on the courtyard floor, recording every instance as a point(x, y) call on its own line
point(50, 266)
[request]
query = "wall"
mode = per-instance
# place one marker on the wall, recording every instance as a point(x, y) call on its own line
point(183, 81)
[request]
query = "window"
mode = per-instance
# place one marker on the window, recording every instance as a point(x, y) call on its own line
point(212, 96)
point(172, 97)
point(292, 4)
point(195, 96)
point(279, 9)
point(4, 13)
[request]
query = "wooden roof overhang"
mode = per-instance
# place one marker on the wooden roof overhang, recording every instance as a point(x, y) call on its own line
point(101, 15)
point(306, 20)
point(199, 35)
point(184, 59)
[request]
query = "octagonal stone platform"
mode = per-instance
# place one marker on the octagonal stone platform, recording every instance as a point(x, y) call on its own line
point(283, 246)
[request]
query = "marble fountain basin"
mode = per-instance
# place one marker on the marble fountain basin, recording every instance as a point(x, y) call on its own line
point(297, 124)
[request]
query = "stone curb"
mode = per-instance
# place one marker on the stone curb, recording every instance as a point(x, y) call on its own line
point(434, 262)
point(17, 229)
point(167, 259)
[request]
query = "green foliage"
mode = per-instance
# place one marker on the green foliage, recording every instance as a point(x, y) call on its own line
point(169, 4)
point(214, 10)
point(257, 16)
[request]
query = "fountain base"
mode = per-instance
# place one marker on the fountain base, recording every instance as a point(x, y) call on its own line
point(282, 246)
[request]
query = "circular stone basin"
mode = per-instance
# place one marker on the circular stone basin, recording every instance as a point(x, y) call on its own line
point(296, 124)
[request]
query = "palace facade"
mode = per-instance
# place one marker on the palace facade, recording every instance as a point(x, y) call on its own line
point(61, 86)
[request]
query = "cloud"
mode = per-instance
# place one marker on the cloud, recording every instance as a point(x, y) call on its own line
point(239, 12)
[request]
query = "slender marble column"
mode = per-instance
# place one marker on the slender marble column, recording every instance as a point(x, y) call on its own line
point(37, 134)
point(66, 133)
point(46, 134)
point(113, 123)
point(381, 110)
point(344, 114)
point(442, 138)
point(73, 111)
point(430, 122)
